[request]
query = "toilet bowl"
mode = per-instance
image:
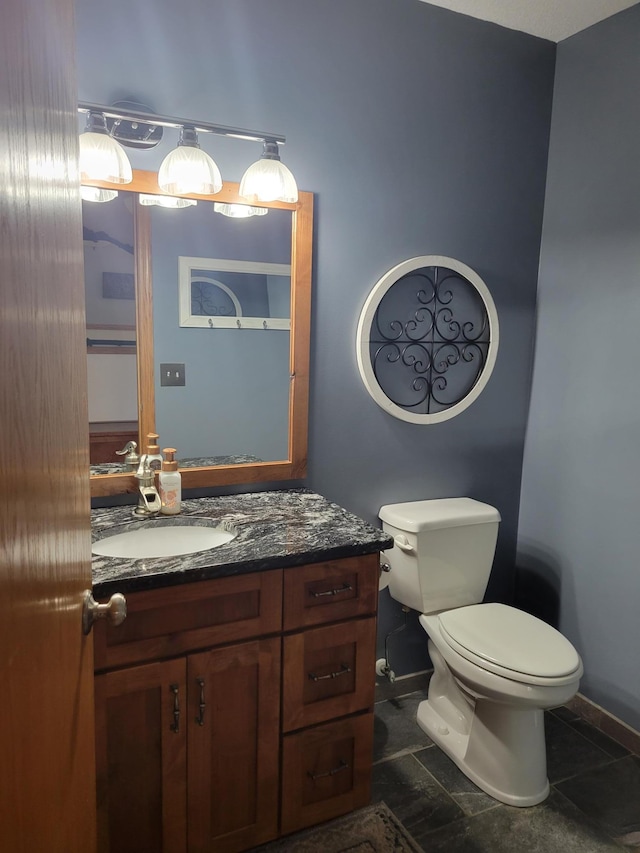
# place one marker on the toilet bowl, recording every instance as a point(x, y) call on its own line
point(496, 668)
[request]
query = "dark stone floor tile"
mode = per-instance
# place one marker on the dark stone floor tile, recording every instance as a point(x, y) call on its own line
point(564, 713)
point(387, 690)
point(396, 730)
point(609, 795)
point(462, 790)
point(555, 826)
point(606, 743)
point(568, 752)
point(413, 795)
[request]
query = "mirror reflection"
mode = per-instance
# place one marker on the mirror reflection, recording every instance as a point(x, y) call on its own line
point(221, 307)
point(226, 381)
point(109, 262)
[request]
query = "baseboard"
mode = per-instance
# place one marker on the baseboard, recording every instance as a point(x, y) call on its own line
point(606, 722)
point(402, 685)
point(582, 707)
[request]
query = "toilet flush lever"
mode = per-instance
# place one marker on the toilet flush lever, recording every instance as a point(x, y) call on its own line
point(403, 543)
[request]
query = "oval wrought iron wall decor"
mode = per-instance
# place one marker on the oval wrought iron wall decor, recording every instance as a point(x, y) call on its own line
point(427, 339)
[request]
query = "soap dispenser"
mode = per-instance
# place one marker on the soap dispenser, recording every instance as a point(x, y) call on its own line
point(153, 457)
point(169, 483)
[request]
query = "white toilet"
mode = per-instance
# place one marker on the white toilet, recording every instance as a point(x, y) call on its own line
point(495, 668)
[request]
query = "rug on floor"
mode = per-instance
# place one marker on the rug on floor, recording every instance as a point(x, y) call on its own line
point(373, 829)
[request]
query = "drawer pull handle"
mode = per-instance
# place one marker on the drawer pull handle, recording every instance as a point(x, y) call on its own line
point(342, 671)
point(315, 776)
point(175, 725)
point(346, 587)
point(202, 705)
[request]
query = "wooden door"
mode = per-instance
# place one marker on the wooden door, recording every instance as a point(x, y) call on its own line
point(141, 725)
point(234, 715)
point(47, 788)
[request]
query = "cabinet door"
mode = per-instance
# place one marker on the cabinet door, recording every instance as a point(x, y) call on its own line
point(141, 759)
point(233, 734)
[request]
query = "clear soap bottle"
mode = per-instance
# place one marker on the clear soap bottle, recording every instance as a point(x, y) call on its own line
point(169, 483)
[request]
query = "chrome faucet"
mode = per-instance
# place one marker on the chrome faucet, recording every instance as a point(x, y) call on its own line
point(149, 500)
point(132, 460)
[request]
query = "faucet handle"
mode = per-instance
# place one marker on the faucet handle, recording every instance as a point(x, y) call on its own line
point(144, 471)
point(131, 457)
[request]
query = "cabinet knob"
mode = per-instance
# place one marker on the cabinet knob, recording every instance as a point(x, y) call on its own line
point(115, 610)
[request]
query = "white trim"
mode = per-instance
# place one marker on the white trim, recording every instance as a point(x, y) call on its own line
point(364, 329)
point(187, 265)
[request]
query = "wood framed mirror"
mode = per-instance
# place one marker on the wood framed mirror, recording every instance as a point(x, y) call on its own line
point(242, 414)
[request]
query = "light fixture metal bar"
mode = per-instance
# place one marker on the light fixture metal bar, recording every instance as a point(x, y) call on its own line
point(172, 121)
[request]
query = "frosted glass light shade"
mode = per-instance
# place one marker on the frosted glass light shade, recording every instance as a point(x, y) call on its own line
point(239, 211)
point(96, 194)
point(166, 201)
point(101, 157)
point(268, 179)
point(188, 169)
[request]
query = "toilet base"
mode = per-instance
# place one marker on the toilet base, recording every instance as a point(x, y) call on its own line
point(511, 768)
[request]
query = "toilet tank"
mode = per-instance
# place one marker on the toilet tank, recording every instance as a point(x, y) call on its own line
point(443, 551)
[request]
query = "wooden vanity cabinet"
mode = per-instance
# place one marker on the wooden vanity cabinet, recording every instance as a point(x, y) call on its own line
point(328, 689)
point(235, 710)
point(188, 747)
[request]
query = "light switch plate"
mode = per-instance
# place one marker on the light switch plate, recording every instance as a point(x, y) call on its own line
point(172, 374)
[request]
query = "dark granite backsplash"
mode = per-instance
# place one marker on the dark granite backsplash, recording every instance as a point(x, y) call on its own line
point(275, 529)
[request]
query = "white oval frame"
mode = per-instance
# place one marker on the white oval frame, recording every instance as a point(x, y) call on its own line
point(364, 332)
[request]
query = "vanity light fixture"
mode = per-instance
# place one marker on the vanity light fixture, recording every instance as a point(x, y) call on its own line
point(239, 211)
point(96, 194)
point(101, 157)
point(268, 179)
point(171, 201)
point(187, 169)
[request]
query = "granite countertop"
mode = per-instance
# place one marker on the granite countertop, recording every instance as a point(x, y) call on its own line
point(197, 462)
point(276, 529)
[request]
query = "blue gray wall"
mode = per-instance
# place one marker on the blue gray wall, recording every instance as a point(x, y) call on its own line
point(420, 131)
point(579, 537)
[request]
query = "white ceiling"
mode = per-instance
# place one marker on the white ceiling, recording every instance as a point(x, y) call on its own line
point(550, 19)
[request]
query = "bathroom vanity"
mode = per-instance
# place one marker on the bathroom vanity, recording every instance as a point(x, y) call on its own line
point(235, 702)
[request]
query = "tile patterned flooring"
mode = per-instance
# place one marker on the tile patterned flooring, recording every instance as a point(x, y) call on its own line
point(593, 807)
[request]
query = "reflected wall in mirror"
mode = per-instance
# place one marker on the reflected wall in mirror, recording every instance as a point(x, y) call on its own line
point(241, 416)
point(210, 271)
point(109, 266)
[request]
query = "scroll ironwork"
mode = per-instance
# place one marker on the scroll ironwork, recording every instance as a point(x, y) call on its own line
point(429, 340)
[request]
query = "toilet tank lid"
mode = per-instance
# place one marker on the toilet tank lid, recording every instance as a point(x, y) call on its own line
point(414, 516)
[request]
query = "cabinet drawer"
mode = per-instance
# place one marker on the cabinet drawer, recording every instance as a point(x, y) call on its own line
point(326, 771)
point(328, 673)
point(327, 592)
point(166, 622)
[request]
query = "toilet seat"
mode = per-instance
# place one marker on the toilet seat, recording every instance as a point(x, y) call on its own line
point(509, 642)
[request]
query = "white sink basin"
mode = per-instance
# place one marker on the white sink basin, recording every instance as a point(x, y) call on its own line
point(163, 539)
